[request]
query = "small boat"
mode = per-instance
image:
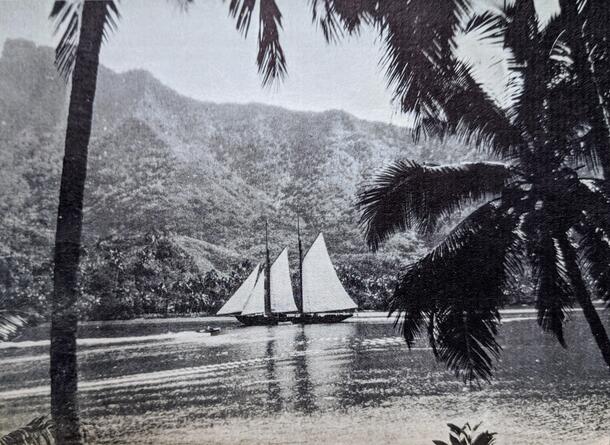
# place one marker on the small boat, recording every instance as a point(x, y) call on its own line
point(266, 296)
point(210, 330)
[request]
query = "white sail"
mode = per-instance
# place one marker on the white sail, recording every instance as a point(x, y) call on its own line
point(256, 301)
point(282, 299)
point(322, 290)
point(236, 303)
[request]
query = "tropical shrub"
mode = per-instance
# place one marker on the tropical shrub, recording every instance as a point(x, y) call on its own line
point(38, 432)
point(466, 436)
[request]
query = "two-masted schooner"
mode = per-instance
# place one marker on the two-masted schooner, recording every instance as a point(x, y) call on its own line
point(266, 296)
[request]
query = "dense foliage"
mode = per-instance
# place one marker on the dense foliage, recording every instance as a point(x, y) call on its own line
point(150, 275)
point(206, 180)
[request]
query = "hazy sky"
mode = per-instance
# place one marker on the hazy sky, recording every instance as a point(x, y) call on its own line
point(201, 55)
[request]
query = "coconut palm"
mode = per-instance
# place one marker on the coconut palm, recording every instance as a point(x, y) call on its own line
point(84, 24)
point(419, 38)
point(535, 207)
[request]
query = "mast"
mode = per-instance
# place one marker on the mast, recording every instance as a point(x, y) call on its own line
point(267, 273)
point(300, 297)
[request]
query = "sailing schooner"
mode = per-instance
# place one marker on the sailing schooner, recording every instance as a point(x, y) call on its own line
point(266, 297)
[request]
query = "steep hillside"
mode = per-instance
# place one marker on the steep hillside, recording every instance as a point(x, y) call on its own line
point(207, 174)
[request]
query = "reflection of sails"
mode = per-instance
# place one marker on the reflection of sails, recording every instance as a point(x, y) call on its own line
point(329, 368)
point(304, 398)
point(305, 367)
point(274, 394)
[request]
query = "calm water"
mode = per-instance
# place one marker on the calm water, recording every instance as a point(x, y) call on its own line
point(158, 381)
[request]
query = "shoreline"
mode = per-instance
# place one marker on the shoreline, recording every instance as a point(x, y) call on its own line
point(365, 314)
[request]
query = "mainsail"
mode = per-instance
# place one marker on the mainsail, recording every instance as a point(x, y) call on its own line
point(282, 300)
point(322, 290)
point(238, 301)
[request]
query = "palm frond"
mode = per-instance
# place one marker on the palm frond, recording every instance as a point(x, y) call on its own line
point(408, 195)
point(242, 11)
point(466, 110)
point(419, 39)
point(461, 283)
point(522, 31)
point(12, 323)
point(38, 432)
point(593, 196)
point(67, 18)
point(270, 59)
point(337, 16)
point(553, 291)
point(489, 25)
point(594, 252)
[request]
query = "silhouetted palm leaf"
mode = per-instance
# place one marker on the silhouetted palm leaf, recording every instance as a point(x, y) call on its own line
point(271, 60)
point(593, 196)
point(461, 283)
point(67, 15)
point(594, 251)
point(242, 10)
point(489, 25)
point(553, 290)
point(409, 195)
point(38, 432)
point(337, 16)
point(465, 110)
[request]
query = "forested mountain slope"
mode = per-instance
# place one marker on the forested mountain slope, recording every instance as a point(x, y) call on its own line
point(202, 176)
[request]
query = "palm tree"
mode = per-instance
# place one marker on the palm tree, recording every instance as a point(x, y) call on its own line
point(535, 208)
point(78, 57)
point(84, 25)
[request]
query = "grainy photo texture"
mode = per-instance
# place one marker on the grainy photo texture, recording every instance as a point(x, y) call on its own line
point(305, 222)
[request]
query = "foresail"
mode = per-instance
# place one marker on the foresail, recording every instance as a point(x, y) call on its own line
point(322, 290)
point(236, 303)
point(256, 301)
point(282, 298)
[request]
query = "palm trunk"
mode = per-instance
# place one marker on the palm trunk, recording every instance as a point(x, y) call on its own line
point(64, 376)
point(584, 300)
point(585, 70)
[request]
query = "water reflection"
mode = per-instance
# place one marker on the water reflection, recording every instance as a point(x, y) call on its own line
point(274, 395)
point(175, 378)
point(304, 401)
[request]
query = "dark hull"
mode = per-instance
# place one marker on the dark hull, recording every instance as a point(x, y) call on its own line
point(320, 318)
point(262, 320)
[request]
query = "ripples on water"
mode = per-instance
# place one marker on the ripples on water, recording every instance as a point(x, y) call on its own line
point(351, 382)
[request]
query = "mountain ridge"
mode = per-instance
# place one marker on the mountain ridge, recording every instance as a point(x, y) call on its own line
point(159, 160)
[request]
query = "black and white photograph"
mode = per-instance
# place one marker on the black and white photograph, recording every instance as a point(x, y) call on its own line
point(338, 222)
